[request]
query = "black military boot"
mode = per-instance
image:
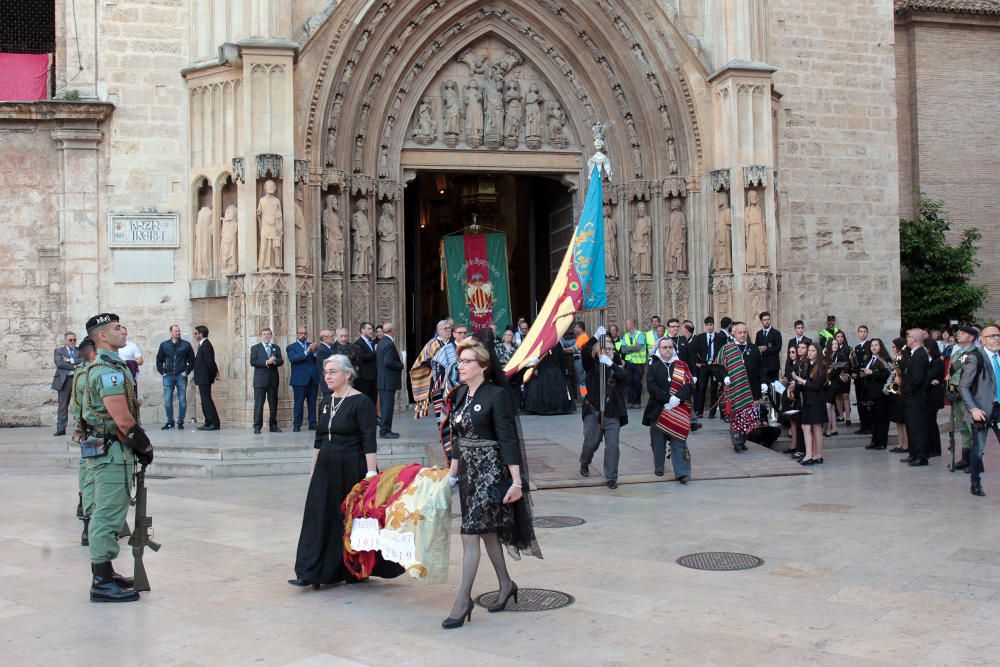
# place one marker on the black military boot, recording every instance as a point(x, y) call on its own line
point(79, 507)
point(121, 580)
point(105, 589)
point(85, 535)
point(963, 463)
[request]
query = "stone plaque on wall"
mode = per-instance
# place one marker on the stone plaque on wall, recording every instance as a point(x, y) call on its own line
point(144, 230)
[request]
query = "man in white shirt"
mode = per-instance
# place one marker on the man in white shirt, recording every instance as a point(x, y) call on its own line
point(131, 353)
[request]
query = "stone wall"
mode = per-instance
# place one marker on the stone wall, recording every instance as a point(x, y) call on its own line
point(948, 91)
point(837, 163)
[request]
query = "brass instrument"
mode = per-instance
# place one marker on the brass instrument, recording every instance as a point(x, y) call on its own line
point(894, 384)
point(852, 364)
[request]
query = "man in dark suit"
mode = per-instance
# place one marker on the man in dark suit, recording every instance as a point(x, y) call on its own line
point(324, 350)
point(302, 357)
point(981, 396)
point(66, 359)
point(206, 371)
point(862, 354)
point(389, 380)
point(365, 345)
point(800, 335)
point(702, 351)
point(680, 342)
point(914, 396)
point(265, 357)
point(768, 342)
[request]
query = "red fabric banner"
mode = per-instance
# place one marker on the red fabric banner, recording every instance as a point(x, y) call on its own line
point(479, 292)
point(25, 77)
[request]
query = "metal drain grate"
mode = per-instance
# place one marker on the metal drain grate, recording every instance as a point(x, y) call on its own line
point(720, 561)
point(558, 521)
point(530, 599)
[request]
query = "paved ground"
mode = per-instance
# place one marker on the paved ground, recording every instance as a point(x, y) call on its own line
point(867, 562)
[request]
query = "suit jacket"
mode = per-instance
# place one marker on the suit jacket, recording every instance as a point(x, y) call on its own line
point(322, 354)
point(658, 383)
point(915, 377)
point(264, 375)
point(771, 357)
point(794, 343)
point(681, 345)
point(977, 364)
point(366, 359)
point(303, 364)
point(698, 349)
point(205, 368)
point(935, 392)
point(66, 363)
point(389, 366)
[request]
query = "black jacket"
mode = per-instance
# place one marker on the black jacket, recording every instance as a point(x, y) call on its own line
point(205, 368)
point(874, 383)
point(698, 349)
point(935, 392)
point(174, 358)
point(658, 383)
point(322, 354)
point(772, 357)
point(814, 390)
point(792, 342)
point(494, 418)
point(681, 345)
point(915, 377)
point(614, 383)
point(388, 366)
point(264, 375)
point(366, 359)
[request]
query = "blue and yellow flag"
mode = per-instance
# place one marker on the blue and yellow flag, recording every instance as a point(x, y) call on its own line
point(588, 251)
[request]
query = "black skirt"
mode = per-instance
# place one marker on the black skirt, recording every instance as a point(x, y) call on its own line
point(814, 414)
point(320, 555)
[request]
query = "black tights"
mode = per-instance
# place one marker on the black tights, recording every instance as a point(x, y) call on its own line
point(470, 565)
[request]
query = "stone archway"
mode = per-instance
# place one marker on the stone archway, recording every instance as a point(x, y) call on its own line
point(378, 108)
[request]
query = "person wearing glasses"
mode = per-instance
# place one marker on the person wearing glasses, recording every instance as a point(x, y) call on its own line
point(980, 390)
point(599, 353)
point(66, 358)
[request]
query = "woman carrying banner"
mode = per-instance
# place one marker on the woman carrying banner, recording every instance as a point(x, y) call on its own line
point(343, 455)
point(601, 362)
point(668, 412)
point(492, 484)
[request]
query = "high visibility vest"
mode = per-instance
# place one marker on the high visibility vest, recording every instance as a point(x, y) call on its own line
point(640, 338)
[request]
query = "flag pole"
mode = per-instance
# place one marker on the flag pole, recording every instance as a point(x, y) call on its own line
point(603, 165)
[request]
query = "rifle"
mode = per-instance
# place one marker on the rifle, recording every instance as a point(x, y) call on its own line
point(143, 532)
point(951, 441)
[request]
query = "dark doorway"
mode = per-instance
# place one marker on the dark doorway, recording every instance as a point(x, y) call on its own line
point(535, 212)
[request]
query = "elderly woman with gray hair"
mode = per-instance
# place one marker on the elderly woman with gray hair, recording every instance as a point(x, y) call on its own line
point(343, 455)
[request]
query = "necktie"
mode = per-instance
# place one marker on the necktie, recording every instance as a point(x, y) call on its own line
point(711, 349)
point(996, 375)
point(267, 348)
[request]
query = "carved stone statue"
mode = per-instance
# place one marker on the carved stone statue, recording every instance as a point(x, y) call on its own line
point(425, 128)
point(677, 238)
point(557, 123)
point(493, 104)
point(383, 163)
point(610, 245)
point(331, 147)
point(203, 243)
point(269, 224)
point(473, 115)
point(302, 246)
point(722, 254)
point(334, 234)
point(642, 257)
point(533, 105)
point(452, 113)
point(512, 117)
point(227, 242)
point(387, 251)
point(756, 234)
point(359, 153)
point(672, 156)
point(361, 259)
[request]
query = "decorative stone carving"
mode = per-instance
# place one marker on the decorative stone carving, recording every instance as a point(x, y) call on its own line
point(755, 175)
point(334, 235)
point(361, 237)
point(642, 258)
point(473, 115)
point(360, 301)
point(383, 162)
point(329, 152)
point(385, 303)
point(679, 297)
point(757, 286)
point(359, 153)
point(720, 180)
point(557, 125)
point(643, 296)
point(302, 245)
point(722, 253)
point(672, 156)
point(333, 300)
point(268, 165)
point(756, 233)
point(387, 251)
point(610, 244)
point(493, 108)
point(203, 243)
point(304, 301)
point(269, 226)
point(227, 242)
point(236, 294)
point(301, 171)
point(534, 105)
point(271, 296)
point(676, 237)
point(674, 186)
point(239, 170)
point(452, 113)
point(513, 114)
point(425, 128)
point(722, 293)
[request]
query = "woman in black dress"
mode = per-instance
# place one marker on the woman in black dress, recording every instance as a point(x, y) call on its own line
point(814, 413)
point(935, 396)
point(487, 468)
point(791, 406)
point(842, 379)
point(827, 357)
point(874, 374)
point(901, 354)
point(343, 455)
point(547, 393)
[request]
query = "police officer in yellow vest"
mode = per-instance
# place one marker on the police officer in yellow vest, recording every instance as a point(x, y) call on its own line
point(77, 396)
point(113, 442)
point(635, 347)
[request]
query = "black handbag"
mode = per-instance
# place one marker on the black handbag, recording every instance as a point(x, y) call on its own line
point(497, 492)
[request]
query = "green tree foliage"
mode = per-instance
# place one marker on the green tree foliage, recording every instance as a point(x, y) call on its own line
point(937, 276)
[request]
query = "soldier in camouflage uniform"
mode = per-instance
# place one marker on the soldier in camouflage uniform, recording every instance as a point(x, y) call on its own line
point(966, 338)
point(114, 441)
point(88, 352)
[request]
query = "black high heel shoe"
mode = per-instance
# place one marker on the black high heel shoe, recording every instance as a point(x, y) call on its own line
point(500, 606)
point(452, 623)
point(302, 583)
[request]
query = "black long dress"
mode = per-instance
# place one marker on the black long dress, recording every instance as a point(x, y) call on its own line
point(547, 393)
point(343, 437)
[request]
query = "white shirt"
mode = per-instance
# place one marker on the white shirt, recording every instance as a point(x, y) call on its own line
point(130, 352)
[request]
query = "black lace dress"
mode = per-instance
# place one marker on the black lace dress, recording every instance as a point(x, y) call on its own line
point(485, 433)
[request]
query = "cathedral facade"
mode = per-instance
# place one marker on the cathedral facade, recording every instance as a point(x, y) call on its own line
point(247, 163)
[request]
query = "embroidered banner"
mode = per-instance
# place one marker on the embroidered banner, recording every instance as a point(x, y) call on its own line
point(475, 272)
